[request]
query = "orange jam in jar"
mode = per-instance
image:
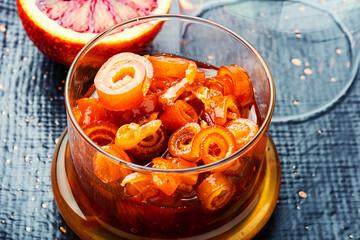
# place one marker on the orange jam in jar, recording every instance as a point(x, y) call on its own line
point(169, 131)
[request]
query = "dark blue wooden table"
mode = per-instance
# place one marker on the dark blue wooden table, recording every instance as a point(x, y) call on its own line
point(320, 157)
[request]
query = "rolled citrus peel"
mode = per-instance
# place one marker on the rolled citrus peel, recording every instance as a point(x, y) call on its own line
point(181, 142)
point(123, 81)
point(140, 185)
point(243, 129)
point(215, 147)
point(166, 182)
point(101, 132)
point(242, 85)
point(215, 191)
point(177, 115)
point(212, 144)
point(223, 84)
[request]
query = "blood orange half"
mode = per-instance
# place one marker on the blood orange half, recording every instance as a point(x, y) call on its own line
point(60, 28)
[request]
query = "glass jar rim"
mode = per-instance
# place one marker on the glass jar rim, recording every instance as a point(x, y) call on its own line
point(202, 168)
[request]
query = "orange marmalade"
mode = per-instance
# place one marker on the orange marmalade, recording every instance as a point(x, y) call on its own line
point(167, 112)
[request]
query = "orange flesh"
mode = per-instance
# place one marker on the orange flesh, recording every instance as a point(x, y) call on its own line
point(93, 16)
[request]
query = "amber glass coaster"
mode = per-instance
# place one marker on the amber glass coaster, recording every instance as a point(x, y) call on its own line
point(87, 226)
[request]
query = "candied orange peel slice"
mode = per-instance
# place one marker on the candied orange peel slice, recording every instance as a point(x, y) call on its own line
point(90, 110)
point(207, 136)
point(123, 81)
point(215, 191)
point(242, 85)
point(243, 129)
point(130, 135)
point(166, 182)
point(170, 95)
point(174, 67)
point(108, 170)
point(151, 146)
point(101, 132)
point(177, 115)
point(181, 142)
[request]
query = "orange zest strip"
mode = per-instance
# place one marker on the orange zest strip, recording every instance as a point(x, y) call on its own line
point(130, 135)
point(106, 169)
point(180, 142)
point(101, 132)
point(242, 85)
point(215, 191)
point(123, 81)
point(243, 129)
point(177, 115)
